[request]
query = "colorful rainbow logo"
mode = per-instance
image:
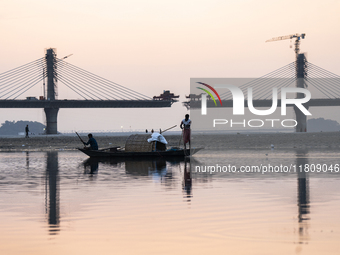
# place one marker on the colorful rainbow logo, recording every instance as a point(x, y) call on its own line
point(206, 91)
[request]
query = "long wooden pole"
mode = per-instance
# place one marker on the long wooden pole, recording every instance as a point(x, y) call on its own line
point(168, 129)
point(80, 138)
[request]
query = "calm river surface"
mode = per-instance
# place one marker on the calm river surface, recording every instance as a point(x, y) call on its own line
point(62, 203)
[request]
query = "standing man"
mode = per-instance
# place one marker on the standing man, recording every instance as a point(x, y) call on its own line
point(27, 130)
point(186, 131)
point(92, 142)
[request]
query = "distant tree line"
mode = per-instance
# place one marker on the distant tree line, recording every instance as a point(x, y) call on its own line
point(322, 125)
point(14, 128)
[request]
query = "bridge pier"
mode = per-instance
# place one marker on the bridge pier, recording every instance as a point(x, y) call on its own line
point(51, 73)
point(301, 120)
point(51, 120)
point(301, 73)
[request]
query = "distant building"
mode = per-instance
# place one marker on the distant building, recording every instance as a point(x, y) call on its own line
point(166, 96)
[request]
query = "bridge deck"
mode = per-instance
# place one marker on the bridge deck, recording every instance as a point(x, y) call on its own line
point(84, 103)
point(268, 103)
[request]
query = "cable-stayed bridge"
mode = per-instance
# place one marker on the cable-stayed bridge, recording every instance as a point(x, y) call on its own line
point(325, 87)
point(94, 91)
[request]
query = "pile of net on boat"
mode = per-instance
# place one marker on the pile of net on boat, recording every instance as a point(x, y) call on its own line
point(146, 143)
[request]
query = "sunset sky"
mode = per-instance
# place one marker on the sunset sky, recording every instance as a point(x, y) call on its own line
point(150, 46)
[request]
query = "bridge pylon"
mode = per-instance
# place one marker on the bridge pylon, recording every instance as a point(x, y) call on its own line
point(51, 120)
point(301, 73)
point(51, 73)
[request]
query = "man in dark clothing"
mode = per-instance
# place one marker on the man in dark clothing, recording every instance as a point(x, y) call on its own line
point(26, 130)
point(92, 142)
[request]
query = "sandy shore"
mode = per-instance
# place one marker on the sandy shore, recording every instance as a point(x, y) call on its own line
point(227, 141)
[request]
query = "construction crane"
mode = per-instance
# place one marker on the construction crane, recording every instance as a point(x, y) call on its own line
point(297, 40)
point(67, 56)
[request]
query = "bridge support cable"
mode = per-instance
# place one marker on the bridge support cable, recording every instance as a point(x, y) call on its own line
point(322, 73)
point(29, 86)
point(326, 82)
point(264, 92)
point(77, 80)
point(10, 78)
point(76, 88)
point(96, 89)
point(283, 77)
point(13, 72)
point(80, 84)
point(286, 83)
point(328, 92)
point(18, 84)
point(99, 82)
point(326, 86)
point(279, 78)
point(259, 84)
point(17, 79)
point(15, 82)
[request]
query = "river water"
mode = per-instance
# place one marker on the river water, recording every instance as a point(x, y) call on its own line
point(63, 203)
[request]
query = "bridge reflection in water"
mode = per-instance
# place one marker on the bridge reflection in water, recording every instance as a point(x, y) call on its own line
point(160, 170)
point(303, 196)
point(52, 198)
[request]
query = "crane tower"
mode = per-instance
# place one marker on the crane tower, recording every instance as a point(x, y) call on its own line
point(301, 73)
point(297, 41)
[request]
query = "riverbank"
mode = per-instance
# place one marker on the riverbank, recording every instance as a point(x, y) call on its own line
point(208, 141)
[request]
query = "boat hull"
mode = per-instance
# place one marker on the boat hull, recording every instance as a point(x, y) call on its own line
point(152, 154)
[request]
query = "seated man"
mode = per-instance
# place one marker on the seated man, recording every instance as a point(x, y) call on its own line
point(92, 142)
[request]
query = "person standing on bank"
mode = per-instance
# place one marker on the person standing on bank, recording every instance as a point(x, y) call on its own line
point(27, 130)
point(186, 131)
point(92, 142)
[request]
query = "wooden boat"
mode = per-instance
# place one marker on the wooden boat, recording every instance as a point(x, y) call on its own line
point(115, 152)
point(138, 145)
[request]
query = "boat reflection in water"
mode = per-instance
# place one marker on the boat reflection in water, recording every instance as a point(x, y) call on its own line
point(91, 166)
point(157, 168)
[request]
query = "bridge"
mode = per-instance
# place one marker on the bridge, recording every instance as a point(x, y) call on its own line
point(95, 91)
point(300, 73)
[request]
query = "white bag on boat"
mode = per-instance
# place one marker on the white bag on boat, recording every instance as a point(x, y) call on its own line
point(157, 137)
